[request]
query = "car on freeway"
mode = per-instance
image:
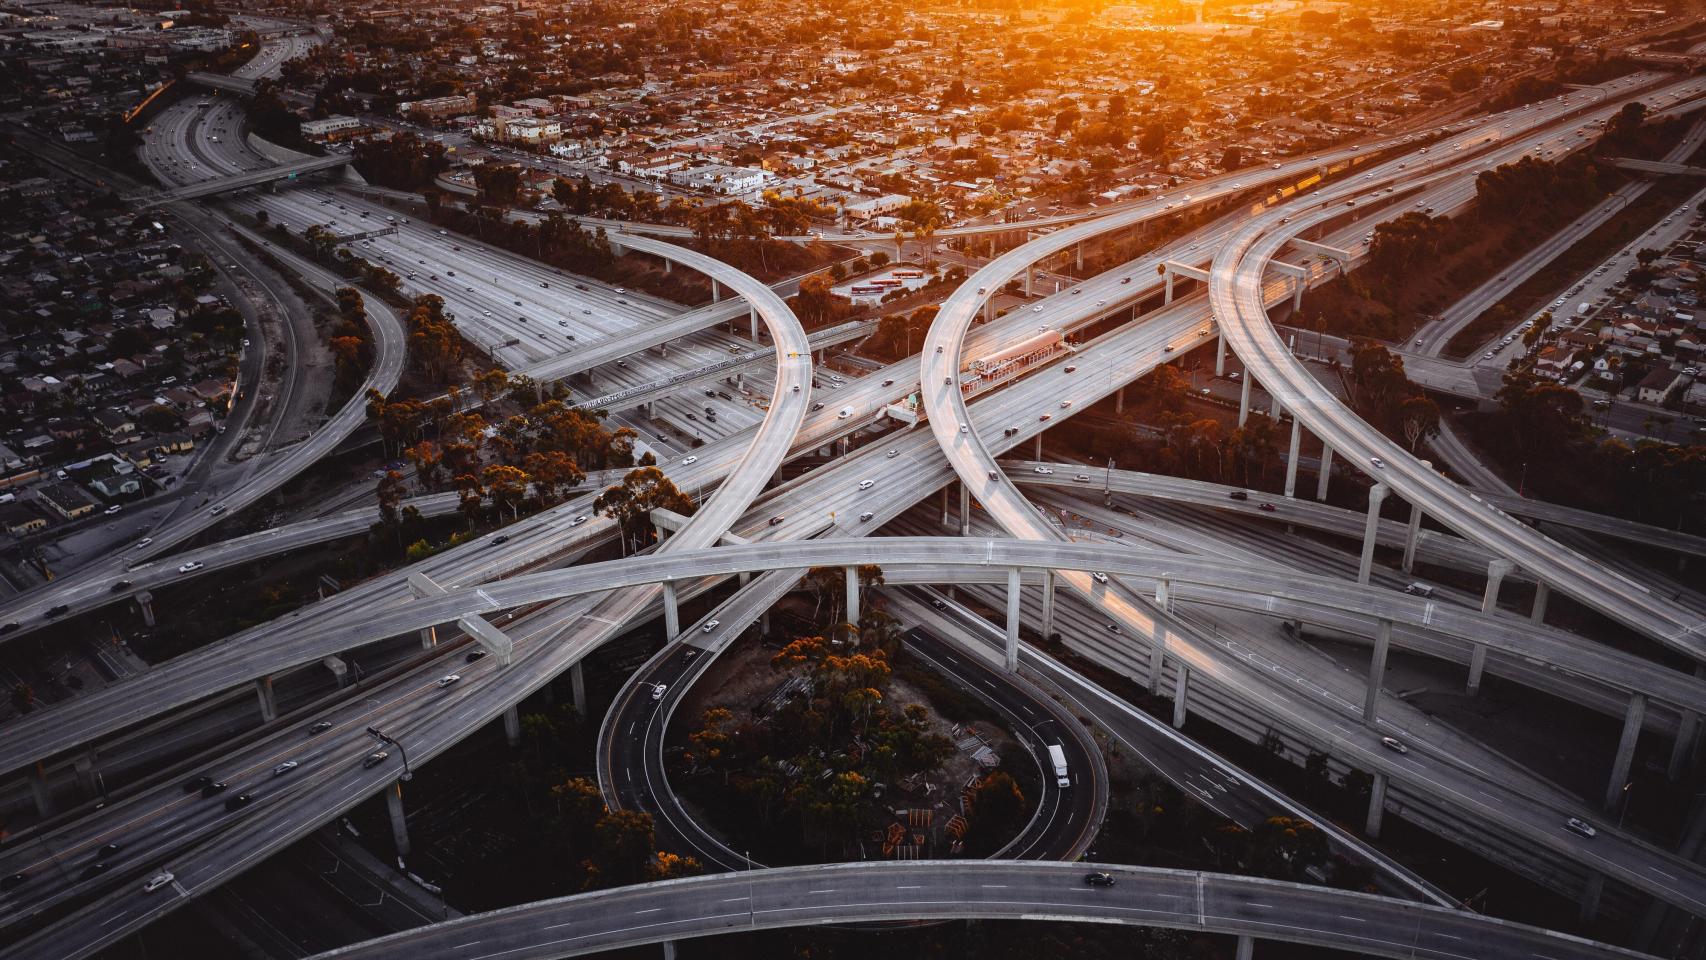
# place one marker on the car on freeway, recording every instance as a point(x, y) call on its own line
point(500, 539)
point(658, 690)
point(157, 881)
point(1099, 577)
point(478, 653)
point(9, 626)
point(1042, 471)
point(867, 484)
point(1578, 825)
point(1377, 462)
point(321, 727)
point(1394, 745)
point(145, 541)
point(1071, 367)
point(58, 611)
point(687, 460)
point(284, 768)
point(893, 453)
point(190, 567)
point(578, 521)
point(866, 516)
point(449, 679)
point(115, 508)
point(1045, 418)
point(710, 625)
point(215, 788)
point(1113, 628)
point(1266, 507)
point(375, 758)
point(776, 521)
point(1099, 879)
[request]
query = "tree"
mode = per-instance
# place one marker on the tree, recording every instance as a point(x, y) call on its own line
point(390, 492)
point(997, 805)
point(23, 697)
point(1419, 417)
point(506, 485)
point(631, 502)
point(469, 496)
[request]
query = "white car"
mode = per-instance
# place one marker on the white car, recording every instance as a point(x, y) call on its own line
point(688, 460)
point(1043, 471)
point(893, 453)
point(658, 691)
point(710, 625)
point(190, 567)
point(1037, 309)
point(867, 484)
point(1377, 462)
point(578, 521)
point(157, 881)
point(449, 679)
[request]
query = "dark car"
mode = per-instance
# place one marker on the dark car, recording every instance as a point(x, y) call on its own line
point(93, 870)
point(8, 628)
point(13, 880)
point(500, 539)
point(240, 800)
point(1239, 495)
point(321, 727)
point(199, 783)
point(216, 787)
point(1099, 879)
point(58, 611)
point(111, 848)
point(1267, 508)
point(474, 655)
point(122, 585)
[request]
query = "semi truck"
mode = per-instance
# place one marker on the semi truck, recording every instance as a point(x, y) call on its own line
point(1057, 756)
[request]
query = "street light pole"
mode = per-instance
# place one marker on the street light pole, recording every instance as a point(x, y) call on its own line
point(391, 742)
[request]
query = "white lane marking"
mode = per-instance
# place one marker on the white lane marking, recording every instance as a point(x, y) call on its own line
point(995, 886)
point(471, 943)
point(1356, 919)
point(733, 899)
point(825, 890)
point(649, 910)
point(914, 887)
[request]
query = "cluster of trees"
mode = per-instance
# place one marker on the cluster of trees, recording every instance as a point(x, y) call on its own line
point(817, 305)
point(1381, 393)
point(1545, 425)
point(351, 342)
point(1532, 189)
point(435, 345)
point(631, 502)
point(271, 119)
point(404, 162)
point(531, 459)
point(806, 778)
point(898, 333)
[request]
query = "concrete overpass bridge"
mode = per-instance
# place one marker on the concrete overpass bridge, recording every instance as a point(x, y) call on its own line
point(1657, 166)
point(243, 181)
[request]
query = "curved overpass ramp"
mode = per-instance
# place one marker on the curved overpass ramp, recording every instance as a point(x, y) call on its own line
point(1356, 923)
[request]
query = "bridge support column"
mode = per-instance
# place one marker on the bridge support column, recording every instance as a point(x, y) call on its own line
point(1246, 947)
point(1633, 715)
point(1376, 670)
point(1029, 274)
point(1119, 400)
point(716, 291)
point(1181, 691)
point(1037, 448)
point(1158, 641)
point(340, 670)
point(399, 822)
point(1078, 256)
point(145, 603)
point(965, 510)
point(1219, 353)
point(752, 324)
point(842, 446)
point(429, 637)
point(669, 950)
point(1496, 571)
point(1244, 399)
point(512, 726)
point(1296, 294)
point(851, 575)
point(1291, 459)
point(1167, 293)
point(1376, 807)
point(1412, 534)
point(41, 791)
point(577, 687)
point(1048, 605)
point(1013, 620)
point(1687, 735)
point(1325, 475)
point(1588, 907)
point(671, 613)
point(269, 701)
point(947, 492)
point(1376, 494)
point(1542, 593)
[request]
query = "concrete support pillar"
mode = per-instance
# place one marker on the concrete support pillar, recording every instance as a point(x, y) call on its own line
point(1325, 475)
point(1376, 806)
point(965, 510)
point(1687, 735)
point(145, 603)
point(88, 780)
point(1037, 448)
point(851, 575)
point(1029, 275)
point(1219, 352)
point(1013, 620)
point(1496, 571)
point(988, 310)
point(1296, 294)
point(577, 687)
point(340, 670)
point(41, 791)
point(669, 950)
point(1542, 593)
point(1632, 719)
point(947, 492)
point(1244, 399)
point(843, 445)
point(399, 823)
point(1376, 495)
point(1376, 670)
point(669, 266)
point(1078, 256)
point(1589, 906)
point(269, 702)
point(671, 613)
point(1246, 947)
point(716, 291)
point(1291, 459)
point(1412, 535)
point(429, 637)
point(512, 726)
point(1048, 604)
point(1119, 400)
point(1181, 693)
point(752, 323)
point(1167, 293)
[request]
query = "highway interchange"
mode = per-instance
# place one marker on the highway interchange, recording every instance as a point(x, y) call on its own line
point(206, 845)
